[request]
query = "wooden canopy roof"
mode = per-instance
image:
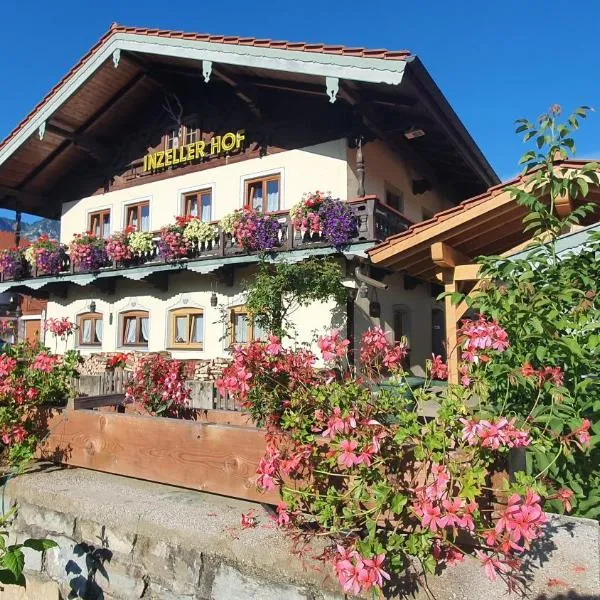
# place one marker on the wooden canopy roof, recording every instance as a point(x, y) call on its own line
point(488, 224)
point(82, 117)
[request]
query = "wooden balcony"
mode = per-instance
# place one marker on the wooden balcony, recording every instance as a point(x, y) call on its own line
point(375, 222)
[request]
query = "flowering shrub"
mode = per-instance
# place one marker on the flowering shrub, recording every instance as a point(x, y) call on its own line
point(117, 361)
point(159, 384)
point(353, 461)
point(172, 244)
point(338, 222)
point(61, 328)
point(196, 230)
point(305, 214)
point(46, 255)
point(88, 252)
point(254, 231)
point(13, 264)
point(141, 242)
point(228, 222)
point(30, 376)
point(333, 218)
point(118, 248)
point(542, 311)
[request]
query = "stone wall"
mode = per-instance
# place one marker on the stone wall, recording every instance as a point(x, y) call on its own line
point(123, 539)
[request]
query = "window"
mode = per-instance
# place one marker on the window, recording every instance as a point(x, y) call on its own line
point(191, 135)
point(172, 140)
point(438, 332)
point(243, 328)
point(394, 198)
point(263, 193)
point(100, 223)
point(90, 329)
point(138, 216)
point(198, 204)
point(187, 328)
point(135, 328)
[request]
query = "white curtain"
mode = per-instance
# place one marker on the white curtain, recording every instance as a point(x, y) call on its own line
point(272, 195)
point(181, 326)
point(99, 330)
point(206, 201)
point(197, 329)
point(130, 331)
point(145, 328)
point(259, 333)
point(257, 196)
point(106, 227)
point(241, 328)
point(145, 218)
point(86, 335)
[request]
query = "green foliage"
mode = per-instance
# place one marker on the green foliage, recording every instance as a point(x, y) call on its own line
point(281, 288)
point(12, 559)
point(550, 308)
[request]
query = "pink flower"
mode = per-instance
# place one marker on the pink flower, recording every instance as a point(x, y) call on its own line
point(439, 369)
point(431, 517)
point(332, 346)
point(283, 517)
point(347, 457)
point(565, 495)
point(19, 434)
point(273, 346)
point(338, 424)
point(481, 335)
point(44, 362)
point(492, 565)
point(394, 356)
point(7, 365)
point(248, 520)
point(374, 572)
point(582, 432)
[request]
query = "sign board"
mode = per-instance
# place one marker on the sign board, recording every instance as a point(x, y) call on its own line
point(218, 144)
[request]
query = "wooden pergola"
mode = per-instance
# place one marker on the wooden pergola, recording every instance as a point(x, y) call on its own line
point(444, 248)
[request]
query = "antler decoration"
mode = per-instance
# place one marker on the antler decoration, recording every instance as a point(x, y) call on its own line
point(173, 108)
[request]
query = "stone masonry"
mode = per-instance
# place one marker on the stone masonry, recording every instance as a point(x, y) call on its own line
point(124, 539)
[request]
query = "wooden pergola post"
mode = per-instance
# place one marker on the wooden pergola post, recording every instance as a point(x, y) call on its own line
point(451, 318)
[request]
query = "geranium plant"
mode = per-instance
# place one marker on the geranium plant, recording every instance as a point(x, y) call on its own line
point(117, 361)
point(256, 232)
point(159, 385)
point(198, 231)
point(549, 305)
point(30, 376)
point(141, 242)
point(46, 256)
point(173, 244)
point(305, 214)
point(88, 252)
point(228, 222)
point(13, 264)
point(355, 463)
point(118, 247)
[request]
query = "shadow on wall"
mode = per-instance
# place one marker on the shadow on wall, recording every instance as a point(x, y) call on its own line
point(83, 584)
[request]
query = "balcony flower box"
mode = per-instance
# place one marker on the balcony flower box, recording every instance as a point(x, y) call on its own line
point(46, 256)
point(88, 252)
point(13, 264)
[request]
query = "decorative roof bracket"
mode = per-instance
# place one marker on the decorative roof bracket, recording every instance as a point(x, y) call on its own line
point(333, 86)
point(206, 70)
point(116, 57)
point(42, 130)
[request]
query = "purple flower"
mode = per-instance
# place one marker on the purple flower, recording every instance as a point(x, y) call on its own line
point(50, 262)
point(13, 264)
point(338, 222)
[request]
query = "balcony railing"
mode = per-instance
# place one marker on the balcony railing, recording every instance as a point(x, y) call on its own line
point(375, 222)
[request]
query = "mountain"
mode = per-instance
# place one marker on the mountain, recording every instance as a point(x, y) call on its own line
point(32, 231)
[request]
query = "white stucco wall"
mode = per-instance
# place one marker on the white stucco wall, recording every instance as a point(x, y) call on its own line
point(322, 167)
point(185, 290)
point(384, 168)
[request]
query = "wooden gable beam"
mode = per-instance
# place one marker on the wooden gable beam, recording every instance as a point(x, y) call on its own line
point(239, 90)
point(95, 149)
point(445, 256)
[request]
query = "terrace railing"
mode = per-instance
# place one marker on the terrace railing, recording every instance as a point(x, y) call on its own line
point(375, 222)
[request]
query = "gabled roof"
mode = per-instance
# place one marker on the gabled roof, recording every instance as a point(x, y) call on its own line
point(120, 69)
point(487, 224)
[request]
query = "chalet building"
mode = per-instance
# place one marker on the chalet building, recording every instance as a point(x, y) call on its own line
point(152, 124)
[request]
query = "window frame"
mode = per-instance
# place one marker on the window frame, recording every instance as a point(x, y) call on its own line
point(93, 317)
point(264, 179)
point(138, 204)
point(250, 332)
point(169, 137)
point(100, 214)
point(193, 129)
point(188, 312)
point(394, 191)
point(187, 194)
point(138, 315)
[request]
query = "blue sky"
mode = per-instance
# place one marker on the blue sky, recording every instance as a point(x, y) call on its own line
point(494, 61)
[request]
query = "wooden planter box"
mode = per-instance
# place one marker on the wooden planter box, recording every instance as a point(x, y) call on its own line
point(206, 456)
